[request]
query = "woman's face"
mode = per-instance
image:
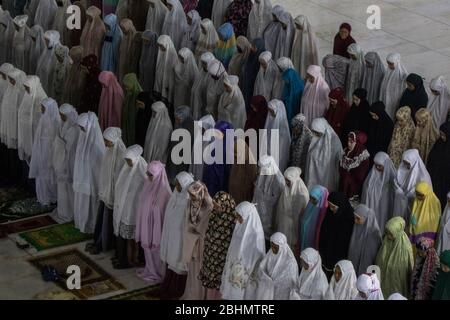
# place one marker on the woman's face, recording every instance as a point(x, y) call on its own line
point(305, 266)
point(178, 187)
point(169, 6)
point(310, 78)
point(82, 128)
point(140, 104)
point(108, 144)
point(359, 220)
point(420, 196)
point(63, 117)
point(410, 86)
point(362, 294)
point(379, 167)
point(353, 57)
point(356, 100)
point(421, 122)
point(181, 59)
point(343, 33)
point(189, 20)
point(313, 201)
point(178, 121)
point(374, 116)
point(445, 268)
point(333, 102)
point(27, 89)
point(421, 253)
point(275, 248)
point(12, 81)
point(443, 136)
point(406, 164)
point(391, 65)
point(161, 47)
point(254, 108)
point(149, 176)
point(42, 109)
point(369, 64)
point(390, 236)
point(317, 134)
point(272, 113)
point(203, 29)
point(334, 208)
point(227, 88)
point(351, 143)
point(205, 66)
point(263, 65)
point(239, 218)
point(288, 182)
point(298, 27)
point(47, 42)
point(337, 274)
point(129, 162)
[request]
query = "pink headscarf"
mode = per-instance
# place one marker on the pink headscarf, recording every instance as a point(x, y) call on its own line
point(152, 205)
point(111, 100)
point(315, 96)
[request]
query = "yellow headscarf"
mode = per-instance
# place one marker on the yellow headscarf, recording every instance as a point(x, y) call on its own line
point(425, 214)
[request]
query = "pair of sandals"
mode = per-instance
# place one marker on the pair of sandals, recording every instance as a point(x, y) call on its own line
point(92, 248)
point(117, 265)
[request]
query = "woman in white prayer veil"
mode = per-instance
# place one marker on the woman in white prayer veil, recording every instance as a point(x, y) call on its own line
point(368, 287)
point(165, 65)
point(158, 134)
point(231, 103)
point(315, 99)
point(19, 43)
point(278, 271)
point(192, 34)
point(285, 38)
point(155, 16)
point(174, 220)
point(198, 93)
point(443, 239)
point(267, 78)
point(293, 200)
point(128, 186)
point(277, 120)
point(218, 12)
point(439, 102)
point(64, 161)
point(356, 69)
point(373, 76)
point(6, 37)
point(268, 188)
point(214, 87)
point(411, 171)
point(336, 69)
point(112, 162)
point(312, 284)
point(86, 174)
point(41, 165)
point(28, 116)
point(60, 21)
point(11, 101)
point(393, 84)
point(208, 39)
point(343, 283)
point(260, 16)
point(45, 13)
point(37, 47)
point(185, 72)
point(324, 154)
point(60, 72)
point(47, 60)
point(304, 48)
point(207, 122)
point(378, 191)
point(175, 23)
point(247, 249)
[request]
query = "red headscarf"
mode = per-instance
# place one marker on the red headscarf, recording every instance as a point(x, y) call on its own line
point(335, 115)
point(257, 119)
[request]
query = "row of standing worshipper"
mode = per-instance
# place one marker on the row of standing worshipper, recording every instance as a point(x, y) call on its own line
point(130, 156)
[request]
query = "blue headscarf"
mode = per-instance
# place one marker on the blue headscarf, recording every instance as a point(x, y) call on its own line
point(226, 47)
point(292, 92)
point(251, 69)
point(215, 176)
point(111, 44)
point(309, 224)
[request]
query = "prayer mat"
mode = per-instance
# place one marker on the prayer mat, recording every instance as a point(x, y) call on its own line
point(147, 293)
point(94, 280)
point(54, 236)
point(27, 224)
point(13, 193)
point(22, 208)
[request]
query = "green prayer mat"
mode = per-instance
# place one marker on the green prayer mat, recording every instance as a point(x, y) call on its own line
point(94, 279)
point(147, 293)
point(54, 236)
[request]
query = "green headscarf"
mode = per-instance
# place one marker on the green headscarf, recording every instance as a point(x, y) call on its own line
point(395, 259)
point(132, 88)
point(442, 289)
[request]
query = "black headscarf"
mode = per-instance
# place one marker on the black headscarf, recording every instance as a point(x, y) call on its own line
point(251, 69)
point(143, 116)
point(379, 132)
point(439, 165)
point(204, 8)
point(414, 99)
point(335, 232)
point(358, 117)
